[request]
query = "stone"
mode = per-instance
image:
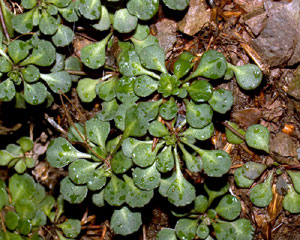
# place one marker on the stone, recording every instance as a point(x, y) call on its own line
point(196, 18)
point(166, 33)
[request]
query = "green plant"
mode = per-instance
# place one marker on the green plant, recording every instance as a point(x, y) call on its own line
point(18, 156)
point(105, 167)
point(20, 68)
point(201, 218)
point(25, 207)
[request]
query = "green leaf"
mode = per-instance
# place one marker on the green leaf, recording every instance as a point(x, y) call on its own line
point(241, 180)
point(229, 207)
point(63, 37)
point(69, 13)
point(203, 231)
point(21, 187)
point(109, 110)
point(90, 9)
point(139, 45)
point(144, 10)
point(180, 192)
point(25, 209)
point(168, 85)
point(7, 90)
point(60, 3)
point(198, 115)
point(129, 144)
point(47, 24)
point(291, 202)
point(212, 65)
point(3, 198)
point(215, 162)
point(58, 81)
point(106, 90)
point(258, 137)
point(97, 178)
point(239, 229)
point(158, 129)
point(153, 57)
point(166, 234)
point(143, 156)
point(231, 137)
point(200, 204)
point(71, 228)
point(20, 166)
point(177, 4)
point(253, 170)
point(40, 219)
point(43, 54)
point(200, 90)
point(141, 32)
point(145, 86)
point(6, 65)
point(59, 63)
point(86, 89)
point(120, 163)
point(146, 178)
point(31, 73)
point(104, 22)
point(71, 192)
point(193, 163)
point(200, 134)
point(186, 229)
point(261, 194)
point(165, 160)
point(11, 220)
point(221, 100)
point(295, 176)
point(130, 65)
point(8, 17)
point(24, 226)
point(181, 68)
point(125, 222)
point(124, 22)
point(168, 110)
point(18, 50)
point(47, 204)
point(136, 197)
point(80, 170)
point(97, 131)
point(23, 23)
point(125, 89)
point(10, 236)
point(248, 76)
point(61, 153)
point(148, 110)
point(134, 126)
point(98, 199)
point(35, 93)
point(215, 190)
point(93, 55)
point(120, 115)
point(165, 183)
point(115, 191)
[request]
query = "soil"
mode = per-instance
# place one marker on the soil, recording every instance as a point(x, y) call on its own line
point(231, 28)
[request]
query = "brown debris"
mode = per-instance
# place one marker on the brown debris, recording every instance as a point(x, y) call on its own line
point(247, 117)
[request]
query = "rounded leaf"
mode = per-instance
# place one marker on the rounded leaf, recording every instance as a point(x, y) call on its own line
point(215, 162)
point(71, 228)
point(7, 90)
point(166, 234)
point(291, 202)
point(261, 194)
point(120, 163)
point(35, 93)
point(221, 100)
point(80, 170)
point(63, 36)
point(165, 160)
point(58, 81)
point(248, 76)
point(200, 90)
point(90, 9)
point(145, 86)
point(86, 89)
point(115, 191)
point(11, 220)
point(144, 10)
point(229, 207)
point(198, 115)
point(258, 137)
point(146, 178)
point(71, 192)
point(124, 22)
point(31, 73)
point(125, 222)
point(186, 229)
point(153, 57)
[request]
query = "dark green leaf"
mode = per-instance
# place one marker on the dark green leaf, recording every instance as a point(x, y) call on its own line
point(258, 137)
point(144, 10)
point(31, 73)
point(80, 170)
point(291, 202)
point(240, 179)
point(231, 137)
point(165, 160)
point(134, 126)
point(18, 50)
point(125, 89)
point(261, 194)
point(120, 163)
point(115, 191)
point(90, 9)
point(97, 131)
point(7, 90)
point(58, 81)
point(186, 229)
point(200, 204)
point(71, 192)
point(166, 234)
point(11, 220)
point(200, 134)
point(221, 100)
point(253, 170)
point(125, 222)
point(153, 57)
point(86, 89)
point(295, 176)
point(158, 129)
point(177, 4)
point(104, 22)
point(200, 90)
point(35, 93)
point(145, 86)
point(106, 90)
point(71, 227)
point(203, 231)
point(229, 207)
point(47, 23)
point(198, 115)
point(124, 22)
point(23, 23)
point(63, 36)
point(109, 110)
point(168, 110)
point(146, 178)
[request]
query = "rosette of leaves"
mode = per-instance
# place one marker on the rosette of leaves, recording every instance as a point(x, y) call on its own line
point(25, 207)
point(23, 79)
point(201, 219)
point(46, 15)
point(18, 155)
